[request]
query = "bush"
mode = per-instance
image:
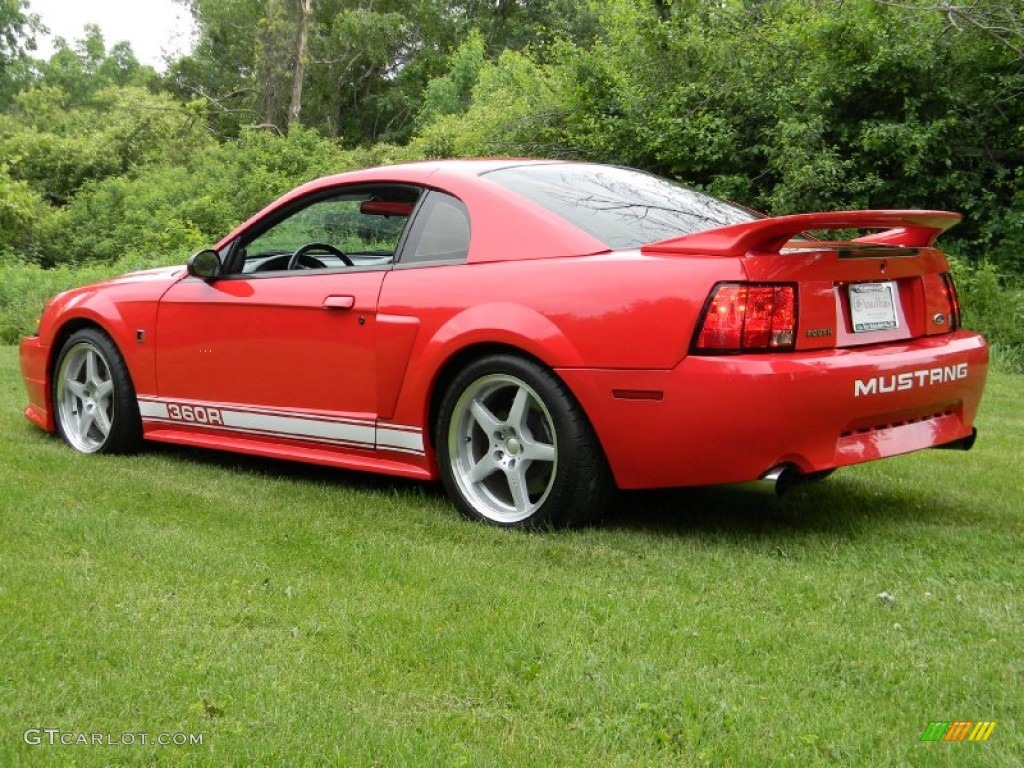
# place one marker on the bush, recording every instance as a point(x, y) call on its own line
point(993, 305)
point(22, 211)
point(25, 287)
point(166, 211)
point(156, 217)
point(57, 147)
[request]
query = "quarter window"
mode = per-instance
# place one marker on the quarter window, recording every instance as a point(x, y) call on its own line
point(439, 233)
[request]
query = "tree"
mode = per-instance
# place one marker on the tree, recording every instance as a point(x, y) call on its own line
point(16, 31)
point(17, 39)
point(84, 67)
point(295, 110)
point(780, 104)
point(221, 74)
point(1000, 20)
point(352, 69)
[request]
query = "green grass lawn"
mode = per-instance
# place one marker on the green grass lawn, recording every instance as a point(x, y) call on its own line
point(300, 616)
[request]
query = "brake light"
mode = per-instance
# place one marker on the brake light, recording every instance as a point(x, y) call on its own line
point(743, 317)
point(953, 300)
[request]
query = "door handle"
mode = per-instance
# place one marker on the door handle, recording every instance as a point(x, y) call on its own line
point(339, 302)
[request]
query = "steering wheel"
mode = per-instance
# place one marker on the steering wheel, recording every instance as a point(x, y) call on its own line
point(280, 262)
point(295, 262)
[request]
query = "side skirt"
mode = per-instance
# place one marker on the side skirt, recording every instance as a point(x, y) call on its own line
point(412, 466)
point(319, 438)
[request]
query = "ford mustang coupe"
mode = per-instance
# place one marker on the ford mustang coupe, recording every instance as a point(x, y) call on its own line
point(533, 333)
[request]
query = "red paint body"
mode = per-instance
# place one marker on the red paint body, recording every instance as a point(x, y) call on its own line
point(341, 368)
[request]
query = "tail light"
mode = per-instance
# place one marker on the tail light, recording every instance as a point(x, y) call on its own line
point(747, 317)
point(953, 299)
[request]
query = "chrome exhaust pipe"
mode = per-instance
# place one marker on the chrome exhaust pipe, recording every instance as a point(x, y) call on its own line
point(780, 479)
point(776, 481)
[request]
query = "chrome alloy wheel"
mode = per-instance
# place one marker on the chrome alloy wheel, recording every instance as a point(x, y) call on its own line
point(85, 397)
point(502, 447)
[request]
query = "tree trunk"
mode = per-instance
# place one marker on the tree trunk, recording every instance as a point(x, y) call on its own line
point(295, 110)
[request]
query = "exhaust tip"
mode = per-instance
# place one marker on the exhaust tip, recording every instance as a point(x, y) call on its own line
point(780, 479)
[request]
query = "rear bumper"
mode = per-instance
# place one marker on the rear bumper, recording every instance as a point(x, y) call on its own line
point(732, 419)
point(33, 357)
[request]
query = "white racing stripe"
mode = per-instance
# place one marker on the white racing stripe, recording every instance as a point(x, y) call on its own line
point(270, 422)
point(397, 438)
point(150, 410)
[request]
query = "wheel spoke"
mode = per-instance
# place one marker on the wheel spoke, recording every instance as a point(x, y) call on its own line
point(519, 411)
point(483, 469)
point(85, 421)
point(535, 451)
point(516, 476)
point(76, 388)
point(103, 389)
point(102, 422)
point(76, 367)
point(91, 370)
point(483, 416)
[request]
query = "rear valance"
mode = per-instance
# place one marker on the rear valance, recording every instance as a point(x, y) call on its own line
point(908, 229)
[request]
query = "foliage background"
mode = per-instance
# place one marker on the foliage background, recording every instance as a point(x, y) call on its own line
point(782, 105)
point(292, 613)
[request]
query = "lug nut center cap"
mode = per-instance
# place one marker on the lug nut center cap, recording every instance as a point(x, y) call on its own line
point(513, 447)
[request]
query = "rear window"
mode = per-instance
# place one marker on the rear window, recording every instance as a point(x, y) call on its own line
point(622, 208)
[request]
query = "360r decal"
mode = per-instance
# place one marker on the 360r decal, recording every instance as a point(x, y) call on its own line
point(194, 414)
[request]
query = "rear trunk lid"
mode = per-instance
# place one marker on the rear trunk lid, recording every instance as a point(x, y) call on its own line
point(887, 286)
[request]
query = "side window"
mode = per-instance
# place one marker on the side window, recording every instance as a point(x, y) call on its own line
point(359, 228)
point(440, 232)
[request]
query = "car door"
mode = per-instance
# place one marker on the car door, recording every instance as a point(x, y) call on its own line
point(283, 344)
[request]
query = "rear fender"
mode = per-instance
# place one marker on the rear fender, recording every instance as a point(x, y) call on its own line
point(501, 324)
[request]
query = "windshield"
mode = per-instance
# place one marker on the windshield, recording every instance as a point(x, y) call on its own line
point(621, 207)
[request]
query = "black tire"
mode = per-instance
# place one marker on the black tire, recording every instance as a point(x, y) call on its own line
point(814, 478)
point(93, 397)
point(516, 450)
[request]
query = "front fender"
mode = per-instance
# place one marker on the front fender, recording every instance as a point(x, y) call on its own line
point(67, 313)
point(128, 321)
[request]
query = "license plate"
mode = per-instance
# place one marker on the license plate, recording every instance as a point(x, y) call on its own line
point(873, 306)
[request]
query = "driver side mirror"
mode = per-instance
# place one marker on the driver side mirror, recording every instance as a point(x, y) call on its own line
point(204, 265)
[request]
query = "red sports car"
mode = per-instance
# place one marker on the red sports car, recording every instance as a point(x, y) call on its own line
point(533, 333)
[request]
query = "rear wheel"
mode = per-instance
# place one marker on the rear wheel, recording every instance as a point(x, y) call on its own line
point(93, 397)
point(515, 448)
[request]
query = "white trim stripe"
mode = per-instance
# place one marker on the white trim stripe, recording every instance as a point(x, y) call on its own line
point(298, 427)
point(320, 416)
point(400, 439)
point(257, 433)
point(272, 422)
point(152, 410)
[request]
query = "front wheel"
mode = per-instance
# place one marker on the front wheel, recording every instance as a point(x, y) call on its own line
point(515, 449)
point(93, 397)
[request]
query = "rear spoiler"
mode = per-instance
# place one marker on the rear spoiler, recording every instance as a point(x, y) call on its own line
point(906, 229)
